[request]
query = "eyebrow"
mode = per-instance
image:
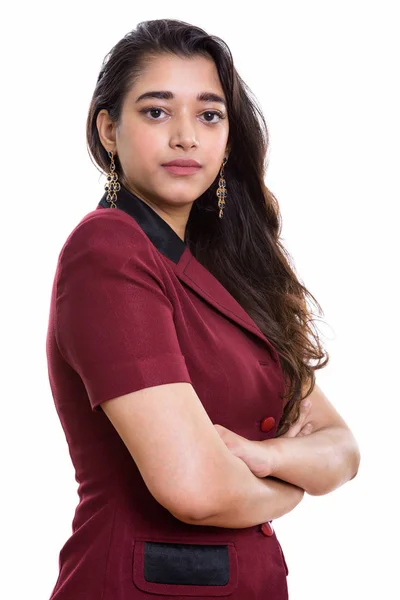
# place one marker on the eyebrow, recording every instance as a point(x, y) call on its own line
point(166, 95)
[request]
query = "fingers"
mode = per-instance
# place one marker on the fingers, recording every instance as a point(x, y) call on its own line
point(297, 427)
point(307, 429)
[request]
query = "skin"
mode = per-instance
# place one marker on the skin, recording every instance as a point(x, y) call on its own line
point(319, 452)
point(182, 129)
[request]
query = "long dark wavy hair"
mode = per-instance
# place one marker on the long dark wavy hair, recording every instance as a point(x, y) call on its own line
point(243, 249)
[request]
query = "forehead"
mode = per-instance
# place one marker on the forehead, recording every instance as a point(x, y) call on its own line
point(182, 76)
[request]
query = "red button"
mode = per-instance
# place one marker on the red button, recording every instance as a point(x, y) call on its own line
point(267, 529)
point(267, 424)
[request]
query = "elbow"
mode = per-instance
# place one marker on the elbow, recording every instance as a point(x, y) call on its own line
point(353, 458)
point(343, 471)
point(212, 500)
point(193, 513)
point(188, 508)
point(216, 492)
point(194, 505)
point(356, 459)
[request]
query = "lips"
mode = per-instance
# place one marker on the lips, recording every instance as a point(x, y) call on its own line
point(182, 162)
point(177, 170)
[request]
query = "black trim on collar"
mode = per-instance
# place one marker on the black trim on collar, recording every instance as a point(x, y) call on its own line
point(165, 239)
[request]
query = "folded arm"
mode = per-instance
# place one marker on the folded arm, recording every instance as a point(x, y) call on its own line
point(317, 459)
point(319, 462)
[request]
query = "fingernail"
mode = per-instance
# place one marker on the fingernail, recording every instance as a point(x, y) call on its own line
point(306, 403)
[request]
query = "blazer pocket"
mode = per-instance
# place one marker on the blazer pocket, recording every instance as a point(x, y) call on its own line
point(174, 569)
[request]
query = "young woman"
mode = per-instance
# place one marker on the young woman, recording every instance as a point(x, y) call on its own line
point(180, 342)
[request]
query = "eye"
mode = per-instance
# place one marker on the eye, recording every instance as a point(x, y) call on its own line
point(213, 113)
point(151, 109)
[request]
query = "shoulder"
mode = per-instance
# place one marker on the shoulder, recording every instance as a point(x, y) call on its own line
point(108, 244)
point(109, 235)
point(106, 226)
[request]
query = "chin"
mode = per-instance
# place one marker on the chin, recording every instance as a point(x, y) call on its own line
point(177, 196)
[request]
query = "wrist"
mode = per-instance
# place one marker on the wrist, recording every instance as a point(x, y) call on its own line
point(272, 450)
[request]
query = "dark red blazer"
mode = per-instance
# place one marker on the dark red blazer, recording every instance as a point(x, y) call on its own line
point(132, 308)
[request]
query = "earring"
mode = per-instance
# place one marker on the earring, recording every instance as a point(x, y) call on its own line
point(112, 185)
point(221, 191)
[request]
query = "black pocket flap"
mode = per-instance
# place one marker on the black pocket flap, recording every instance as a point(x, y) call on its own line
point(172, 568)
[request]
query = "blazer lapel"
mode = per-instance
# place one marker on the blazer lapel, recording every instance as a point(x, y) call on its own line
point(192, 273)
point(187, 268)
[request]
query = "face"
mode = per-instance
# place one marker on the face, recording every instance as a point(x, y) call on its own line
point(154, 131)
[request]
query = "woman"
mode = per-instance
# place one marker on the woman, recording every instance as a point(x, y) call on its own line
point(179, 341)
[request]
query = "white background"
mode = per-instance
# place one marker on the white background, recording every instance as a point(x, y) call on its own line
point(327, 78)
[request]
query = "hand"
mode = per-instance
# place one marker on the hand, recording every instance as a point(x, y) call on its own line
point(260, 458)
point(257, 457)
point(300, 428)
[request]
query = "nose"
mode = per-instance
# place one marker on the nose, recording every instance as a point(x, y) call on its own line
point(184, 133)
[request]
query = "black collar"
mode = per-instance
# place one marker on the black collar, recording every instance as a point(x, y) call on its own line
point(165, 239)
point(189, 270)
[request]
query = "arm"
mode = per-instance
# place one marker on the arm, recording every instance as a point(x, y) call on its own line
point(319, 462)
point(246, 500)
point(185, 464)
point(145, 388)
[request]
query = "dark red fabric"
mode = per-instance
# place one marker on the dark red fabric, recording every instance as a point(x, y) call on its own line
point(124, 316)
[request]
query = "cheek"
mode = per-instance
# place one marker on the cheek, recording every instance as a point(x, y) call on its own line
point(139, 148)
point(216, 147)
point(221, 137)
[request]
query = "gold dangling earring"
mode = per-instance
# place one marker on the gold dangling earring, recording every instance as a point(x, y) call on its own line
point(112, 185)
point(222, 191)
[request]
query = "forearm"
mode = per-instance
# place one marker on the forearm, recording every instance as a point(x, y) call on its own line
point(319, 462)
point(244, 500)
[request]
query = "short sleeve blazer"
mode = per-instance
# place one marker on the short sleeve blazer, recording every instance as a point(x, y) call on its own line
point(131, 307)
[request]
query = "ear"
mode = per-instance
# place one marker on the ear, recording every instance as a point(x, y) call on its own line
point(106, 130)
